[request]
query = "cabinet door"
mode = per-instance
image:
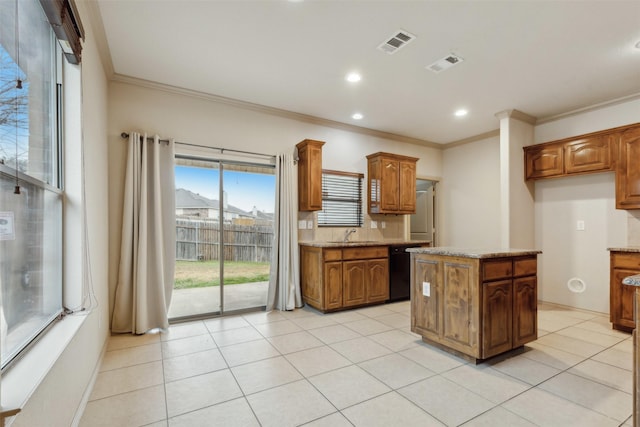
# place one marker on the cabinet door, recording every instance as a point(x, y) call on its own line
point(378, 280)
point(621, 298)
point(461, 322)
point(407, 187)
point(389, 184)
point(544, 162)
point(426, 310)
point(333, 285)
point(310, 276)
point(525, 310)
point(628, 170)
point(354, 279)
point(310, 175)
point(497, 321)
point(590, 154)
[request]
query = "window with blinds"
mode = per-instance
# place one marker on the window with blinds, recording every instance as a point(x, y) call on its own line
point(341, 199)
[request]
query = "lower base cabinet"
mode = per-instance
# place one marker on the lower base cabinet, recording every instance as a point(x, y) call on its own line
point(621, 297)
point(478, 308)
point(337, 278)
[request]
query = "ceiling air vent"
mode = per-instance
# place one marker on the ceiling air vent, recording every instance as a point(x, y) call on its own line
point(444, 63)
point(398, 40)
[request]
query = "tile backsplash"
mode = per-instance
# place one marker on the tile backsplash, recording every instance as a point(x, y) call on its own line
point(633, 228)
point(375, 227)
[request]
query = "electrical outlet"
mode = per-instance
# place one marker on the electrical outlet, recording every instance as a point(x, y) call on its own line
point(302, 224)
point(580, 225)
point(426, 289)
point(383, 224)
point(374, 224)
point(310, 224)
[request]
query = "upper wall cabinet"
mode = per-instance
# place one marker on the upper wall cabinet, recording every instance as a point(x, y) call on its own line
point(310, 175)
point(392, 183)
point(628, 171)
point(615, 149)
point(585, 154)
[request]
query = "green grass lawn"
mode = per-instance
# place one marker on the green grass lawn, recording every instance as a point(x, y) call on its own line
point(200, 274)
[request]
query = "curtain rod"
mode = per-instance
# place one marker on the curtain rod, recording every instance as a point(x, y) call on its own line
point(125, 135)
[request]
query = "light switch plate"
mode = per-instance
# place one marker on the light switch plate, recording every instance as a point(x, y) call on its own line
point(426, 289)
point(580, 225)
point(374, 224)
point(302, 224)
point(310, 224)
point(383, 224)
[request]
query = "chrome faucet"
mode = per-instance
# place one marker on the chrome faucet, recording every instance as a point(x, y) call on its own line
point(348, 233)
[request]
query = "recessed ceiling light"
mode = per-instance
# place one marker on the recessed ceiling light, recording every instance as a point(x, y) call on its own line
point(357, 116)
point(461, 112)
point(353, 77)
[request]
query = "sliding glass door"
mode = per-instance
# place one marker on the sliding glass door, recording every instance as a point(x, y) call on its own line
point(224, 232)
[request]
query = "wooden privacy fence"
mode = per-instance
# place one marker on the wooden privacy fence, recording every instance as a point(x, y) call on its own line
point(199, 241)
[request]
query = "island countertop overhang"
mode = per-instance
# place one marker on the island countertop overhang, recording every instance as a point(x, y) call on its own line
point(479, 253)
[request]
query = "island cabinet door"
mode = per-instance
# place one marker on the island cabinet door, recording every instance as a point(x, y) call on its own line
point(426, 298)
point(496, 317)
point(460, 297)
point(354, 279)
point(525, 310)
point(621, 298)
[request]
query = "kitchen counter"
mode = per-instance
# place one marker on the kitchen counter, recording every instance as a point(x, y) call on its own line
point(356, 243)
point(632, 280)
point(476, 253)
point(631, 249)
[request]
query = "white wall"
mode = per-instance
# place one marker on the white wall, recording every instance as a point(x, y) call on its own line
point(559, 203)
point(198, 120)
point(469, 195)
point(59, 397)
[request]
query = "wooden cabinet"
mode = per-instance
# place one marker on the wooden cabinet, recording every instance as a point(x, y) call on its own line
point(392, 183)
point(621, 297)
point(337, 278)
point(478, 308)
point(616, 149)
point(310, 175)
point(628, 171)
point(578, 155)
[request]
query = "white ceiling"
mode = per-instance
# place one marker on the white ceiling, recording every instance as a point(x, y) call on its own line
point(543, 58)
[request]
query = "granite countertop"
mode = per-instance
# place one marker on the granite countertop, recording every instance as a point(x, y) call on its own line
point(625, 249)
point(474, 252)
point(632, 280)
point(355, 243)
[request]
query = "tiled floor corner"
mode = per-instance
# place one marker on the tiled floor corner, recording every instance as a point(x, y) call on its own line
point(359, 368)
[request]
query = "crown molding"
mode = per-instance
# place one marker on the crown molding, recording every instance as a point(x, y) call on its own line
point(272, 111)
point(589, 108)
point(475, 138)
point(518, 115)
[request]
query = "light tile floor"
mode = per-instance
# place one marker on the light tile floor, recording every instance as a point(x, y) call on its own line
point(360, 368)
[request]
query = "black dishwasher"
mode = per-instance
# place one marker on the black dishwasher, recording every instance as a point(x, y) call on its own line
point(400, 271)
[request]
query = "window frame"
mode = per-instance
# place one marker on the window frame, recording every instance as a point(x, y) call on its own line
point(55, 188)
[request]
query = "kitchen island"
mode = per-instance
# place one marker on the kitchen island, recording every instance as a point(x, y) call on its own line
point(476, 303)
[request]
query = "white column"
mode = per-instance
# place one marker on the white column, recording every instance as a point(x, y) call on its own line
point(516, 195)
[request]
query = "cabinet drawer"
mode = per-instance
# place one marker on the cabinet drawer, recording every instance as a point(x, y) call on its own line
point(332, 254)
point(498, 269)
point(525, 266)
point(623, 260)
point(365, 252)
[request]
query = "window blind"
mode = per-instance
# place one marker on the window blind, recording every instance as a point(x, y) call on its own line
point(65, 21)
point(341, 200)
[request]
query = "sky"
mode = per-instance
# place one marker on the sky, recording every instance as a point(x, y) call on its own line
point(244, 190)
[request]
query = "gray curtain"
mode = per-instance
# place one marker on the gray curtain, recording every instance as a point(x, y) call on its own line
point(284, 281)
point(147, 251)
